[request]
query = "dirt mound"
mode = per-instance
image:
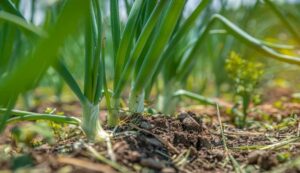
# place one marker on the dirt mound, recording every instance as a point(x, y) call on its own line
point(164, 144)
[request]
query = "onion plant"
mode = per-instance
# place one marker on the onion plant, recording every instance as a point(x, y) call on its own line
point(139, 47)
point(171, 57)
point(94, 72)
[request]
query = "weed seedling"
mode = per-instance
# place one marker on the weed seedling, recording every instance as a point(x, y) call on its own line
point(246, 76)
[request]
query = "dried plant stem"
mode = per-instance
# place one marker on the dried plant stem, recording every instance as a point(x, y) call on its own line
point(235, 164)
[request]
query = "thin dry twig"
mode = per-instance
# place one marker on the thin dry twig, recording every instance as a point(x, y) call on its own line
point(101, 158)
point(182, 158)
point(85, 164)
point(235, 164)
point(280, 144)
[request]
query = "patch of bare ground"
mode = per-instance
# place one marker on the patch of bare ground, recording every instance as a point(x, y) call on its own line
point(188, 142)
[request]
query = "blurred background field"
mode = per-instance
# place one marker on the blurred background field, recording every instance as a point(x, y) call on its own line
point(208, 76)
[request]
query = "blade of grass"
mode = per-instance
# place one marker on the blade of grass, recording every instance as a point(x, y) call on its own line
point(253, 42)
point(127, 38)
point(139, 46)
point(98, 65)
point(11, 103)
point(69, 79)
point(90, 33)
point(8, 37)
point(33, 9)
point(9, 6)
point(21, 23)
point(115, 26)
point(110, 119)
point(200, 98)
point(50, 117)
point(183, 30)
point(151, 60)
point(269, 44)
point(128, 6)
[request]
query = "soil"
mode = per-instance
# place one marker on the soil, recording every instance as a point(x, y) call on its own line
point(189, 142)
point(158, 143)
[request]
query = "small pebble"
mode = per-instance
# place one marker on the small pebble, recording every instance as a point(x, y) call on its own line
point(151, 163)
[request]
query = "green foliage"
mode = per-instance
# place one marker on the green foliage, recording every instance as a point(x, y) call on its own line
point(43, 131)
point(22, 161)
point(15, 116)
point(32, 135)
point(58, 129)
point(156, 46)
point(246, 76)
point(283, 156)
point(47, 48)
